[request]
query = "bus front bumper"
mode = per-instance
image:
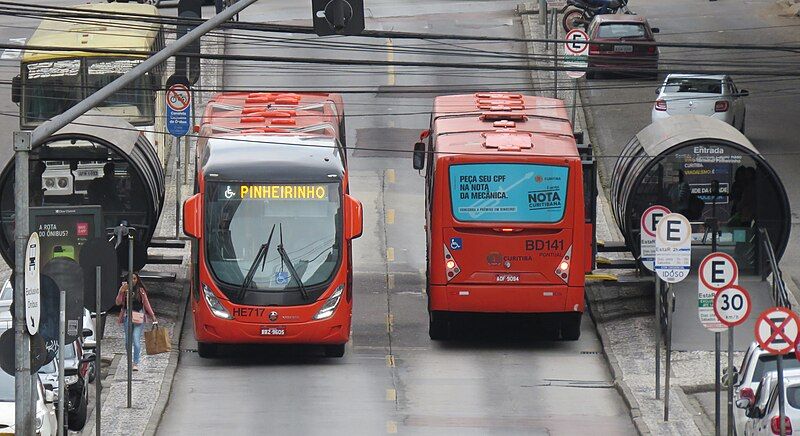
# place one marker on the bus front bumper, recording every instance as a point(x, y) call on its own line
point(506, 298)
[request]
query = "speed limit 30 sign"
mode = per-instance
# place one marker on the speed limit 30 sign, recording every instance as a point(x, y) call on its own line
point(732, 305)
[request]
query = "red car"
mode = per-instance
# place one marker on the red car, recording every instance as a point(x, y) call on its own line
point(606, 32)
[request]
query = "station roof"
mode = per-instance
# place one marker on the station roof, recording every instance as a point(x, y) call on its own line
point(88, 30)
point(503, 123)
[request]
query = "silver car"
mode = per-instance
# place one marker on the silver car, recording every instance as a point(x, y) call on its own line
point(715, 96)
point(763, 418)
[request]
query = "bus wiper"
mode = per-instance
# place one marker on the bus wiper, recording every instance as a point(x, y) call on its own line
point(261, 256)
point(290, 265)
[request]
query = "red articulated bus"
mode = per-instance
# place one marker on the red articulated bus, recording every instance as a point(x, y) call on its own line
point(272, 222)
point(509, 223)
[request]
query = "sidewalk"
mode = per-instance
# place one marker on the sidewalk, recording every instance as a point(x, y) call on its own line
point(624, 314)
point(151, 384)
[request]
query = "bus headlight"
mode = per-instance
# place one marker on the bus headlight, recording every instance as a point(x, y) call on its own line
point(214, 304)
point(331, 303)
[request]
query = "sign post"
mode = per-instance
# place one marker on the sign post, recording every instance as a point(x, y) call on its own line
point(732, 307)
point(179, 107)
point(576, 51)
point(647, 252)
point(776, 332)
point(673, 257)
point(32, 290)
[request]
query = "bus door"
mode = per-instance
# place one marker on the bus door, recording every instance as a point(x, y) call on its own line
point(589, 165)
point(511, 223)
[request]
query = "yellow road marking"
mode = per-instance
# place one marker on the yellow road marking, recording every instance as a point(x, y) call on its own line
point(390, 361)
point(391, 395)
point(390, 281)
point(390, 254)
point(391, 176)
point(391, 427)
point(391, 77)
point(389, 322)
point(389, 216)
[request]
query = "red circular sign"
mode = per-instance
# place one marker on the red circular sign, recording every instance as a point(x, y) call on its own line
point(643, 221)
point(732, 305)
point(776, 330)
point(727, 258)
point(178, 97)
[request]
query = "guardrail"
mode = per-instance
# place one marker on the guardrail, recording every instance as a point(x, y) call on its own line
point(769, 264)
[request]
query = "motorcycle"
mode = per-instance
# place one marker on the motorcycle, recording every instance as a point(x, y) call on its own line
point(579, 13)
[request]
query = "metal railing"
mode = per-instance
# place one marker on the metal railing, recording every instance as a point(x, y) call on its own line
point(769, 264)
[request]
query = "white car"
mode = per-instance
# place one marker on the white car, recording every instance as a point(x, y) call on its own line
point(755, 365)
point(6, 297)
point(715, 96)
point(46, 423)
point(762, 412)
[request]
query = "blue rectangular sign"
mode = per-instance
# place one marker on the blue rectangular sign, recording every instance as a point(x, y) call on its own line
point(494, 192)
point(178, 121)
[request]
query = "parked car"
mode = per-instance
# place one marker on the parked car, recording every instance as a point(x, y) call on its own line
point(46, 423)
point(762, 411)
point(747, 377)
point(608, 31)
point(715, 96)
point(76, 368)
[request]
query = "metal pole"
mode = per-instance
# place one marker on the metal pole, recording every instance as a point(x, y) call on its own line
point(62, 400)
point(177, 187)
point(23, 419)
point(555, 54)
point(98, 348)
point(54, 124)
point(730, 381)
point(717, 387)
point(542, 11)
point(670, 306)
point(574, 102)
point(658, 338)
point(129, 315)
point(781, 396)
point(186, 140)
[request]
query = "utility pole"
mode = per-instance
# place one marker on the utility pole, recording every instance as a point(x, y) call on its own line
point(23, 143)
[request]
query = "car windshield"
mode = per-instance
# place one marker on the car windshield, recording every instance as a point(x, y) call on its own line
point(688, 84)
point(767, 363)
point(7, 293)
point(621, 30)
point(6, 387)
point(239, 221)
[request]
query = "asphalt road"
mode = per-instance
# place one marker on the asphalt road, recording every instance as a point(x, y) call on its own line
point(393, 379)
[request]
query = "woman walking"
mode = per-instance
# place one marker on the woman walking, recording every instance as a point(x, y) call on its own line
point(141, 309)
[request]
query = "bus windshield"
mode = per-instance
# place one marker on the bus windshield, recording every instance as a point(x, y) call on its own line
point(505, 192)
point(307, 221)
point(52, 87)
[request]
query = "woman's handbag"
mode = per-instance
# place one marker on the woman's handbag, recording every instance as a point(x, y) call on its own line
point(137, 317)
point(157, 340)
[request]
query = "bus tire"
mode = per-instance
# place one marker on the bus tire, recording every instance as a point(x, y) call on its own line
point(571, 328)
point(206, 350)
point(334, 350)
point(438, 326)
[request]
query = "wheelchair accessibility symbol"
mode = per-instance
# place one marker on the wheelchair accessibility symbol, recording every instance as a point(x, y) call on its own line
point(229, 193)
point(455, 243)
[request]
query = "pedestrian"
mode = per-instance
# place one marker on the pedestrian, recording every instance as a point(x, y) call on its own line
point(680, 194)
point(141, 309)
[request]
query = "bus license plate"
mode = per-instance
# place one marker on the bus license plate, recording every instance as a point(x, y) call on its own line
point(623, 48)
point(273, 331)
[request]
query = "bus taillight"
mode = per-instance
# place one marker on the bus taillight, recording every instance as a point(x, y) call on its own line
point(563, 267)
point(450, 265)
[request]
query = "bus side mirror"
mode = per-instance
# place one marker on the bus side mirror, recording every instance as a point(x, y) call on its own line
point(419, 155)
point(16, 89)
point(191, 216)
point(354, 214)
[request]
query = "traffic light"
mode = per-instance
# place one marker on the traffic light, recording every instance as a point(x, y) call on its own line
point(338, 17)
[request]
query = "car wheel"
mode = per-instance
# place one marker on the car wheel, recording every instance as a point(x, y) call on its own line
point(77, 420)
point(334, 350)
point(91, 373)
point(572, 19)
point(438, 326)
point(206, 350)
point(571, 327)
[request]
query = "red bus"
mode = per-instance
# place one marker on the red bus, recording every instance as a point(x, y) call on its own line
point(272, 222)
point(507, 223)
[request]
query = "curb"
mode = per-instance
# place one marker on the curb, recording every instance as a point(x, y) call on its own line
point(700, 419)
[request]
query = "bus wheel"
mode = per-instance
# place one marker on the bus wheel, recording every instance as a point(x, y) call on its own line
point(334, 350)
point(206, 350)
point(438, 326)
point(571, 327)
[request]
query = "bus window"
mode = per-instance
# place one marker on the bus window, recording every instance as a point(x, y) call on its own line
point(495, 192)
point(51, 88)
point(135, 102)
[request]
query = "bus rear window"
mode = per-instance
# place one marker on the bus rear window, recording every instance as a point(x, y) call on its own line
point(521, 193)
